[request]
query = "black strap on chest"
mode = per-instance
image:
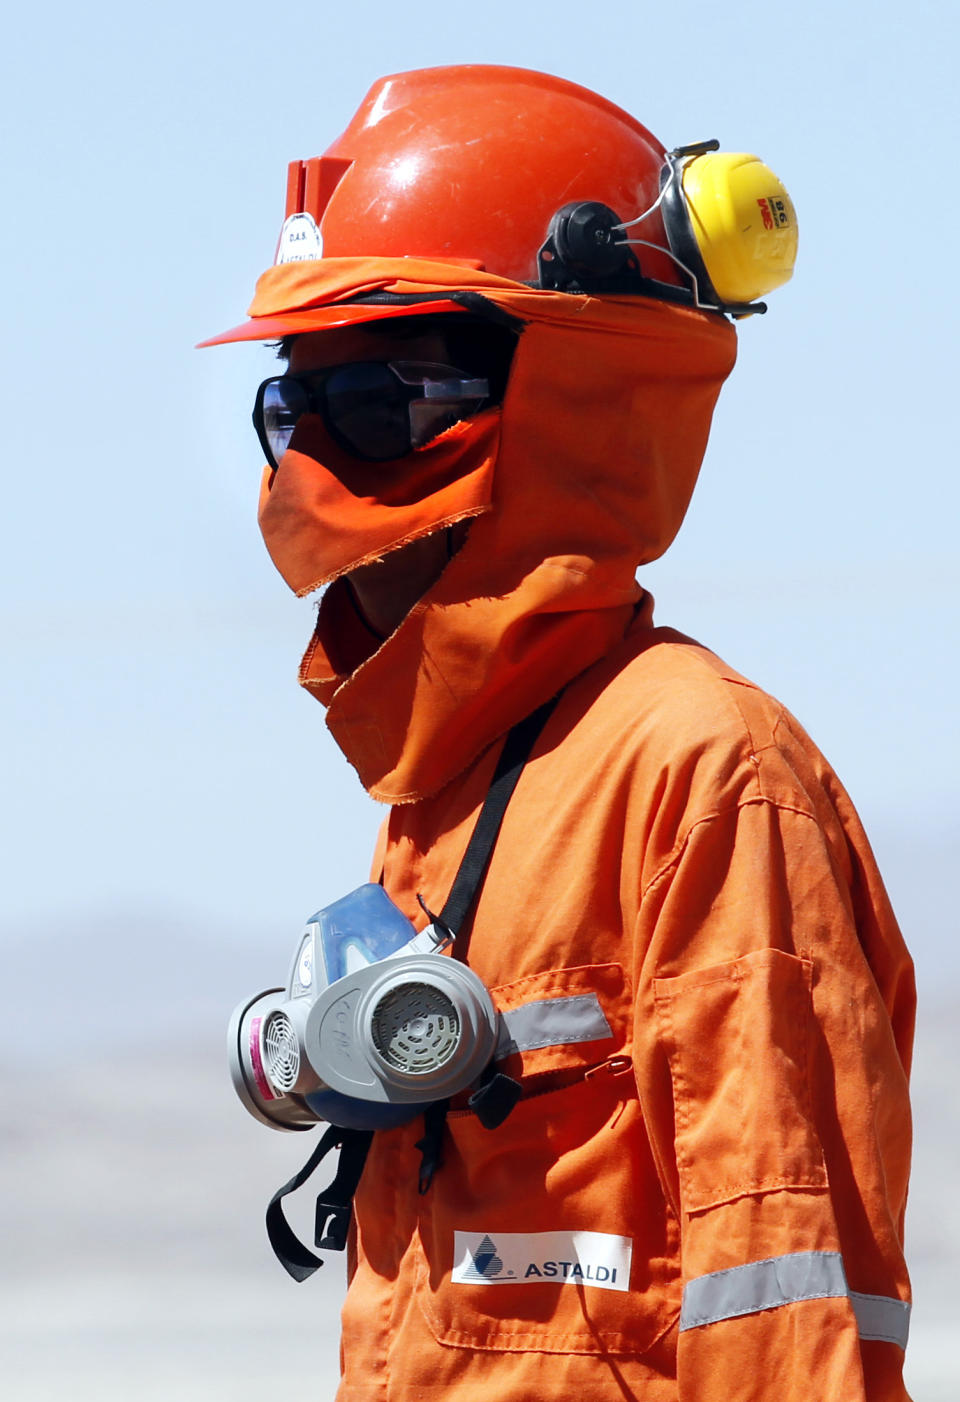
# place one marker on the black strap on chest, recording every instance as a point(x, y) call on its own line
point(496, 1094)
point(517, 749)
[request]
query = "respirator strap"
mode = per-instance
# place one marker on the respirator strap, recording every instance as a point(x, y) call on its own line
point(333, 1207)
point(496, 1094)
point(517, 749)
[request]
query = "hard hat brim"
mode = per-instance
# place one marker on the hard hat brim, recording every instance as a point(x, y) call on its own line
point(296, 323)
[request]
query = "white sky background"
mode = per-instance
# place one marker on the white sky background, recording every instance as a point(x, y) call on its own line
point(165, 777)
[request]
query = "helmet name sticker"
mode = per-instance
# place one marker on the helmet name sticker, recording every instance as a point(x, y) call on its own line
point(542, 1258)
point(300, 240)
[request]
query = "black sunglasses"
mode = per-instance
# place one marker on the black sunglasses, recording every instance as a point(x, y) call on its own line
point(375, 410)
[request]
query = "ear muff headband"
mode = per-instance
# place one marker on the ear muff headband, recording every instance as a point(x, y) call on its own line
point(730, 224)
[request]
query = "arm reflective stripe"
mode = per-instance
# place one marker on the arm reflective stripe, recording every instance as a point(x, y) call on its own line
point(553, 1022)
point(880, 1317)
point(762, 1285)
point(787, 1280)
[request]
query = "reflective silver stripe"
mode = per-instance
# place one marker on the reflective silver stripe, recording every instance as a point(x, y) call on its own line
point(786, 1280)
point(880, 1317)
point(552, 1022)
point(762, 1285)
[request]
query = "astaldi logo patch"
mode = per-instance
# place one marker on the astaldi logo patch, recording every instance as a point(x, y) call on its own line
point(550, 1258)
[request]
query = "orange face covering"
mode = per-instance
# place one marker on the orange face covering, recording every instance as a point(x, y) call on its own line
point(584, 474)
point(324, 512)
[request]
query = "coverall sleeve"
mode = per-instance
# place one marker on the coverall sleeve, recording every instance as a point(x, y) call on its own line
point(774, 1016)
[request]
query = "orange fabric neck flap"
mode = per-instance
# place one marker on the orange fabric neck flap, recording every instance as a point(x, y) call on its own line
point(601, 435)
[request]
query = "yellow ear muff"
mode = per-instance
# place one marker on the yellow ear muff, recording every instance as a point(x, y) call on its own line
point(738, 221)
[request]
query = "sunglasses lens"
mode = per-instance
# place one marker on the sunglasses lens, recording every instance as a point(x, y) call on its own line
point(367, 408)
point(377, 410)
point(284, 400)
point(442, 394)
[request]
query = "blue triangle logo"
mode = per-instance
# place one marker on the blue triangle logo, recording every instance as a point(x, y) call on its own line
point(486, 1263)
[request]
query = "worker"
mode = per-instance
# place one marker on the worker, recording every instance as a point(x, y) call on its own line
point(506, 312)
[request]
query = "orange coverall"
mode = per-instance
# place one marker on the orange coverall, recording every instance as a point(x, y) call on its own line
point(700, 1196)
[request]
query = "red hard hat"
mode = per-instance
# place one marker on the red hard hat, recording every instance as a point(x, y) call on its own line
point(464, 165)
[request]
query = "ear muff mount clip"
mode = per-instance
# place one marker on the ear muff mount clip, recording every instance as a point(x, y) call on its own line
point(584, 244)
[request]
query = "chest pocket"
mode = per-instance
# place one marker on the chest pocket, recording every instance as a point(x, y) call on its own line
point(550, 1233)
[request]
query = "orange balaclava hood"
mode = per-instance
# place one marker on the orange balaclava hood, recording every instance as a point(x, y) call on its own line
point(438, 197)
point(584, 473)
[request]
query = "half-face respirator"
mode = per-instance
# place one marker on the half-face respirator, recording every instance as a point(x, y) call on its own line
point(373, 1025)
point(377, 1025)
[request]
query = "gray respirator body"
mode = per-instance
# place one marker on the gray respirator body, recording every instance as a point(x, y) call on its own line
point(374, 1024)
